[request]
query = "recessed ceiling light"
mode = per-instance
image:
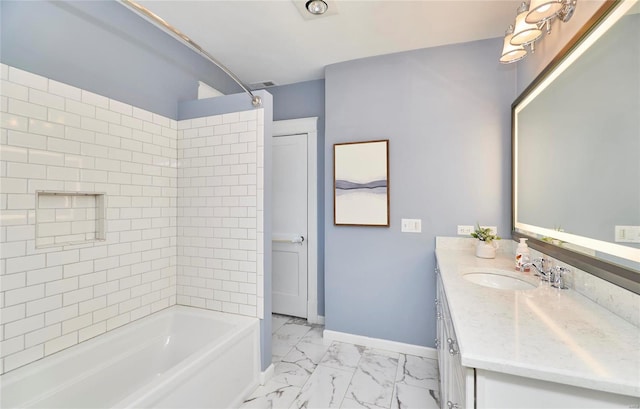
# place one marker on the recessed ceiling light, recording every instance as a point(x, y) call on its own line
point(316, 7)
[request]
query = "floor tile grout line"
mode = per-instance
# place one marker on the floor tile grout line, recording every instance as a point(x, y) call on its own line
point(350, 381)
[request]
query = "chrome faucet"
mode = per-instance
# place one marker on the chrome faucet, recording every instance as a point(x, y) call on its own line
point(559, 277)
point(544, 275)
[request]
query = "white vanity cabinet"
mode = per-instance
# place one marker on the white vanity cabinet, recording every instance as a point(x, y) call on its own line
point(453, 376)
point(521, 374)
point(497, 390)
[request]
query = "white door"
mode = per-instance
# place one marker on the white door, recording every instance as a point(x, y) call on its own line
point(289, 268)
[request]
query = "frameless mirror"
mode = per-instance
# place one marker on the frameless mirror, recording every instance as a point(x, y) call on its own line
point(576, 147)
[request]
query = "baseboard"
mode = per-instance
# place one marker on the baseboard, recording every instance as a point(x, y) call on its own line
point(378, 343)
point(266, 375)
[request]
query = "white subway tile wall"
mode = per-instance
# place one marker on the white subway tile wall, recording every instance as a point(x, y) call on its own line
point(60, 138)
point(190, 235)
point(220, 205)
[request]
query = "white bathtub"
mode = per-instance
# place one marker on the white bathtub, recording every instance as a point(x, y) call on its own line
point(180, 357)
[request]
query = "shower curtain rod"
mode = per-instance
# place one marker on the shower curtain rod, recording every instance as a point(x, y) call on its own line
point(256, 101)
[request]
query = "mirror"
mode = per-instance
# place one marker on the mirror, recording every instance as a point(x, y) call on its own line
point(576, 150)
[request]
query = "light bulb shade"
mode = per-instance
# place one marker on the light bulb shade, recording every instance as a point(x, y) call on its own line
point(511, 53)
point(542, 10)
point(524, 33)
point(316, 7)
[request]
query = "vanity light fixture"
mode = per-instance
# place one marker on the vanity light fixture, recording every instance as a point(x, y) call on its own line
point(543, 10)
point(316, 7)
point(511, 53)
point(523, 32)
point(527, 29)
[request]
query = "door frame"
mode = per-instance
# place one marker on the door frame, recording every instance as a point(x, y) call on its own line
point(308, 126)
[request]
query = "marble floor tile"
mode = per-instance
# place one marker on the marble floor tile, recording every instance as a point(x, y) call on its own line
point(278, 321)
point(353, 404)
point(341, 355)
point(306, 354)
point(374, 378)
point(279, 350)
point(301, 360)
point(272, 395)
point(325, 388)
point(311, 374)
point(418, 371)
point(383, 352)
point(314, 335)
point(412, 397)
point(291, 333)
point(285, 338)
point(299, 321)
point(291, 373)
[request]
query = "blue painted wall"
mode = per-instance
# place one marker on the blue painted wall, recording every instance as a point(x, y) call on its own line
point(446, 112)
point(103, 47)
point(302, 100)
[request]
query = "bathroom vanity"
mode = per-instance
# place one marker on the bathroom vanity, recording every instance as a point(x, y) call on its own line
point(507, 340)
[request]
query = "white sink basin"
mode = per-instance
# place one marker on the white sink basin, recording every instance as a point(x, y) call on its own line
point(500, 281)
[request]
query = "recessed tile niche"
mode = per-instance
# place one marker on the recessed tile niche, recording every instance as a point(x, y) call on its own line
point(64, 218)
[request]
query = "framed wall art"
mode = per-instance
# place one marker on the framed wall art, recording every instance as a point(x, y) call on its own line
point(361, 183)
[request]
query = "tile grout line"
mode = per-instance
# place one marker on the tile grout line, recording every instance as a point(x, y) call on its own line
point(350, 380)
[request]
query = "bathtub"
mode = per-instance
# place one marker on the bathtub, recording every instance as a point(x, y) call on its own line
point(181, 357)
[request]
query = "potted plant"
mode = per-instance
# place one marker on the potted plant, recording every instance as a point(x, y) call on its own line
point(486, 245)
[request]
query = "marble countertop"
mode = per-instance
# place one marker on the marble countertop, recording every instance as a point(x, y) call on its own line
point(544, 333)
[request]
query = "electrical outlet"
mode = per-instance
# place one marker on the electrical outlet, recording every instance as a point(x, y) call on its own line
point(465, 230)
point(411, 225)
point(492, 229)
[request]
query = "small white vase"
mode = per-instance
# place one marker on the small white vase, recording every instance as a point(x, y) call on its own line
point(486, 250)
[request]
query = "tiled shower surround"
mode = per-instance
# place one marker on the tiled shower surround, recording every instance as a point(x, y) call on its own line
point(58, 138)
point(219, 212)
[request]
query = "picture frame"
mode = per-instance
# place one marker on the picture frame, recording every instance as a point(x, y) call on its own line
point(361, 183)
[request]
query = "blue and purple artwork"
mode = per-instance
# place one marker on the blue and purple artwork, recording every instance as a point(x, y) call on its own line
point(361, 183)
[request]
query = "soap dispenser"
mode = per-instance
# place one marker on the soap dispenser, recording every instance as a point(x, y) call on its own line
point(522, 255)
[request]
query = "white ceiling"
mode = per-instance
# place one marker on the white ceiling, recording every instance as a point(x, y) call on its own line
point(269, 40)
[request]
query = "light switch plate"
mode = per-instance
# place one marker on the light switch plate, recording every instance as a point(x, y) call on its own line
point(464, 230)
point(627, 234)
point(411, 226)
